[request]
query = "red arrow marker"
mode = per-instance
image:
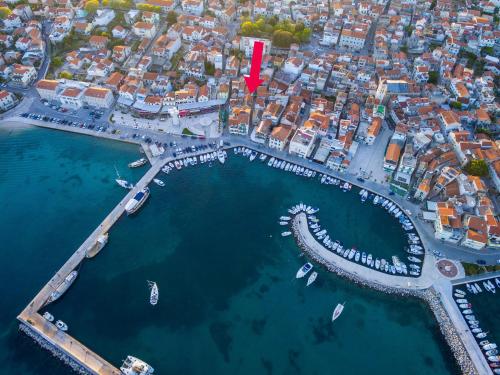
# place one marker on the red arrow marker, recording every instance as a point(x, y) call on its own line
point(253, 80)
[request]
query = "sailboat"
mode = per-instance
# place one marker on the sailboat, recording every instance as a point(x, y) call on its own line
point(153, 298)
point(121, 182)
point(338, 310)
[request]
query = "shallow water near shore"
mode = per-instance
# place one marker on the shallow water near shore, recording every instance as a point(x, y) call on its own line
point(55, 188)
point(229, 300)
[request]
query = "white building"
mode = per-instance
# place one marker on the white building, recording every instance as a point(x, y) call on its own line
point(247, 43)
point(98, 97)
point(302, 143)
point(7, 100)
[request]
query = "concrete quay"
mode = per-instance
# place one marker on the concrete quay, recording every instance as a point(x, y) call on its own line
point(369, 275)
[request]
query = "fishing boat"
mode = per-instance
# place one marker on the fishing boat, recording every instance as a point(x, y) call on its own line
point(64, 286)
point(138, 163)
point(312, 278)
point(304, 270)
point(134, 366)
point(338, 310)
point(158, 182)
point(137, 201)
point(154, 295)
point(48, 316)
point(61, 325)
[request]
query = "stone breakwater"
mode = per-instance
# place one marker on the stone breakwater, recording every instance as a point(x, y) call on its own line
point(56, 352)
point(428, 295)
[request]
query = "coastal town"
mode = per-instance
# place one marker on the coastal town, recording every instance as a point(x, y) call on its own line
point(396, 97)
point(401, 92)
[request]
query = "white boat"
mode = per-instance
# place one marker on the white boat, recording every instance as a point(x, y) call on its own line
point(134, 366)
point(253, 155)
point(357, 256)
point(48, 316)
point(352, 253)
point(283, 222)
point(61, 325)
point(285, 218)
point(304, 270)
point(414, 259)
point(377, 263)
point(481, 335)
point(363, 258)
point(369, 259)
point(285, 234)
point(338, 310)
point(124, 183)
point(64, 286)
point(312, 278)
point(158, 182)
point(153, 297)
point(138, 163)
point(221, 156)
point(137, 201)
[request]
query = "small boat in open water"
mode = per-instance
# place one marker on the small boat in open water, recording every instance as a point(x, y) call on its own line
point(338, 310)
point(312, 278)
point(153, 297)
point(304, 270)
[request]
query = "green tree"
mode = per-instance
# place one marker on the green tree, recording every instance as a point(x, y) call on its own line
point(283, 39)
point(209, 68)
point(148, 7)
point(304, 35)
point(4, 12)
point(477, 167)
point(91, 6)
point(57, 62)
point(171, 17)
point(433, 77)
point(456, 105)
point(66, 75)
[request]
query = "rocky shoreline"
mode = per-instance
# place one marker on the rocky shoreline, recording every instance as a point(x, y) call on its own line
point(428, 295)
point(56, 352)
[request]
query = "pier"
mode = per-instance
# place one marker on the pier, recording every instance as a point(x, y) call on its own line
point(66, 344)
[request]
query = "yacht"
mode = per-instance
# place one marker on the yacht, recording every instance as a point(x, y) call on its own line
point(138, 163)
point(153, 297)
point(61, 325)
point(304, 270)
point(64, 286)
point(312, 278)
point(48, 316)
point(158, 182)
point(137, 201)
point(286, 234)
point(338, 310)
point(134, 366)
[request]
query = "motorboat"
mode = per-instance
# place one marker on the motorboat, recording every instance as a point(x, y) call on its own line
point(357, 256)
point(377, 263)
point(158, 182)
point(138, 163)
point(337, 311)
point(414, 259)
point(134, 366)
point(462, 300)
point(61, 325)
point(363, 258)
point(48, 316)
point(154, 295)
point(352, 253)
point(312, 278)
point(304, 270)
point(286, 234)
point(124, 183)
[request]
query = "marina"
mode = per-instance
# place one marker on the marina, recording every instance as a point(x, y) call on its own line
point(30, 314)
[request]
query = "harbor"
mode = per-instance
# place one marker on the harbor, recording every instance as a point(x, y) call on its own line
point(93, 363)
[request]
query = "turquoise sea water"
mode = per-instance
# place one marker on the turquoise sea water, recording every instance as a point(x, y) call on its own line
point(55, 188)
point(229, 300)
